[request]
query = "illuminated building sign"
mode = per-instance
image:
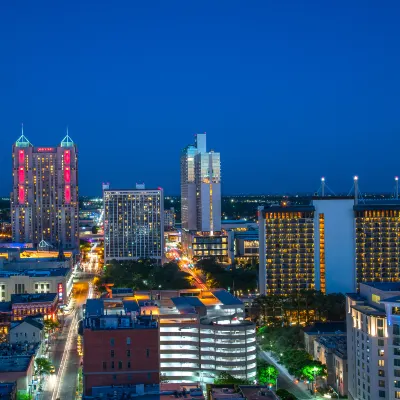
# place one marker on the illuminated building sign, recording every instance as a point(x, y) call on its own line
point(67, 174)
point(21, 175)
point(45, 149)
point(21, 194)
point(21, 157)
point(60, 292)
point(67, 194)
point(67, 157)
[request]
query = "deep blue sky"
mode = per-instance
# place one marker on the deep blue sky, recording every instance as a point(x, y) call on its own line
point(287, 91)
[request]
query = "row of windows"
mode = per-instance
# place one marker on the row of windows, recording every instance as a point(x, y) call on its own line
point(128, 353)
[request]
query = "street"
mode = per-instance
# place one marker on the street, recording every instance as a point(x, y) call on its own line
point(64, 354)
point(285, 381)
point(184, 263)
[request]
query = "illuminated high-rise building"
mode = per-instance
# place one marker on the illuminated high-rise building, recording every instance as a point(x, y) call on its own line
point(377, 226)
point(308, 246)
point(286, 249)
point(44, 200)
point(134, 224)
point(201, 201)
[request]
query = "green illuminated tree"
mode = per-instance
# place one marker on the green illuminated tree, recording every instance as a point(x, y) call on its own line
point(313, 370)
point(267, 374)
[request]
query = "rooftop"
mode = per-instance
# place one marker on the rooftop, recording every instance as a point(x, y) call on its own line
point(333, 342)
point(106, 322)
point(384, 286)
point(226, 298)
point(325, 327)
point(369, 310)
point(5, 306)
point(15, 363)
point(258, 393)
point(148, 392)
point(288, 208)
point(99, 307)
point(7, 388)
point(30, 321)
point(33, 298)
point(35, 273)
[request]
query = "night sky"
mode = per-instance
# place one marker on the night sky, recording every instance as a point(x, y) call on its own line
point(287, 91)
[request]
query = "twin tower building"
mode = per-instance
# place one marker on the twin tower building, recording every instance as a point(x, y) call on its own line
point(44, 199)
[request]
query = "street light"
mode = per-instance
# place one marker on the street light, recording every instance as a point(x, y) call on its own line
point(315, 369)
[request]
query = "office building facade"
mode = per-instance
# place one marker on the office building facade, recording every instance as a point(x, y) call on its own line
point(134, 224)
point(44, 200)
point(201, 201)
point(373, 341)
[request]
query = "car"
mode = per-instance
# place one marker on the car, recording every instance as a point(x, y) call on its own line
point(52, 369)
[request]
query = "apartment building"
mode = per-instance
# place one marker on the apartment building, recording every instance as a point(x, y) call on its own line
point(373, 341)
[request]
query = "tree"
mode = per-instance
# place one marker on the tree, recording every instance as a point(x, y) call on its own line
point(267, 374)
point(313, 369)
point(23, 395)
point(224, 378)
point(43, 367)
point(95, 230)
point(50, 325)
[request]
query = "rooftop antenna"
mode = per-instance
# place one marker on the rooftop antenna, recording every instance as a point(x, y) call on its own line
point(22, 141)
point(321, 190)
point(396, 187)
point(355, 189)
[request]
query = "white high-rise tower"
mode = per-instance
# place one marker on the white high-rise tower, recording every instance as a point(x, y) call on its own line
point(201, 198)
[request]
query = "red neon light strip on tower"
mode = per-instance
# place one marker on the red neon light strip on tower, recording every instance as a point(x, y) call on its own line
point(67, 174)
point(21, 175)
point(67, 193)
point(67, 157)
point(21, 194)
point(21, 157)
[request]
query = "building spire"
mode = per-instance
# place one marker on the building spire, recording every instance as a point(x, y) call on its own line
point(22, 141)
point(67, 141)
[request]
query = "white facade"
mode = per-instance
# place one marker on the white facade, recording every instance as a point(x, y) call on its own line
point(13, 282)
point(133, 224)
point(191, 351)
point(26, 331)
point(334, 244)
point(373, 342)
point(201, 188)
point(188, 189)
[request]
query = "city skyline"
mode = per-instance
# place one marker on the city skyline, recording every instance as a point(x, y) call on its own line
point(287, 92)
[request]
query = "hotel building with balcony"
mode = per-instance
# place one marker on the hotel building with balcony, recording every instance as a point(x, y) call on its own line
point(134, 224)
point(44, 200)
point(373, 341)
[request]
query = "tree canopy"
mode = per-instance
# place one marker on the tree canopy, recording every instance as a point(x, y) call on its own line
point(43, 366)
point(224, 378)
point(143, 275)
point(219, 276)
point(267, 374)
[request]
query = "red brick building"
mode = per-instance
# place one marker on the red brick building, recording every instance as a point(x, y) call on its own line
point(119, 348)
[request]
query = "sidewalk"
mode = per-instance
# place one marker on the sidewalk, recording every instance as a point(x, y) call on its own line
point(282, 369)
